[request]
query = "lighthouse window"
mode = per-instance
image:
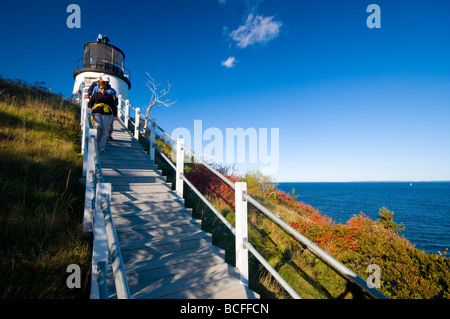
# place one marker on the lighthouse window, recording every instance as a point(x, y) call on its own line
point(108, 55)
point(118, 59)
point(86, 56)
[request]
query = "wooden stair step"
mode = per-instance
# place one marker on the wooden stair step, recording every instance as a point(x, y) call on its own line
point(178, 285)
point(159, 262)
point(157, 232)
point(127, 221)
point(233, 292)
point(128, 197)
point(141, 187)
point(196, 287)
point(168, 205)
point(148, 253)
point(148, 226)
point(123, 172)
point(180, 209)
point(184, 265)
point(161, 243)
point(123, 180)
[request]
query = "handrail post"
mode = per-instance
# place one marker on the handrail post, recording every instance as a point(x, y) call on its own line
point(81, 101)
point(88, 202)
point(119, 107)
point(82, 117)
point(241, 231)
point(85, 118)
point(151, 151)
point(85, 139)
point(127, 113)
point(180, 167)
point(137, 121)
point(90, 178)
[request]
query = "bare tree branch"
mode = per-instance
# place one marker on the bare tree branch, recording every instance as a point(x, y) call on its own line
point(159, 96)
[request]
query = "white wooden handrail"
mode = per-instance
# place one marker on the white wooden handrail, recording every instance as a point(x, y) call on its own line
point(97, 216)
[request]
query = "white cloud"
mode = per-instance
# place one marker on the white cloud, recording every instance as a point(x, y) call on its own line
point(230, 62)
point(257, 29)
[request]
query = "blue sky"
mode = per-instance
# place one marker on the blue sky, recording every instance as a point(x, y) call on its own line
point(351, 103)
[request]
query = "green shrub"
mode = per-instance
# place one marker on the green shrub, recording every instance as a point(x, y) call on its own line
point(387, 220)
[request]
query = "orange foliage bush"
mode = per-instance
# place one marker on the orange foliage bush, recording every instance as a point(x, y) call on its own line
point(209, 183)
point(406, 272)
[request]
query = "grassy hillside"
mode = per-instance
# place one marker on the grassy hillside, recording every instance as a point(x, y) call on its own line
point(42, 199)
point(406, 272)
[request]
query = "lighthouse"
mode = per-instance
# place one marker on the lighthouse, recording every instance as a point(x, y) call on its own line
point(101, 58)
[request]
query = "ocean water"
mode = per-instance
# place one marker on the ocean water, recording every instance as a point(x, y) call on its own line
point(422, 207)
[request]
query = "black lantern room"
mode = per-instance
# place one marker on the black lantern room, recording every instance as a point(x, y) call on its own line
point(102, 57)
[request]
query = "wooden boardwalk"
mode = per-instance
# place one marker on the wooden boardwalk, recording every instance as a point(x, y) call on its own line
point(165, 252)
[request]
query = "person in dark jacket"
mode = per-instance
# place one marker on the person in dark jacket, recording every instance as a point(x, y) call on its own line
point(104, 111)
point(95, 88)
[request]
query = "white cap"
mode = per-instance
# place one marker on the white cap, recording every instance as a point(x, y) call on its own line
point(105, 78)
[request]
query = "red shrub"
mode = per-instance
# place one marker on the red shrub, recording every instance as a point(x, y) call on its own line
point(209, 183)
point(330, 236)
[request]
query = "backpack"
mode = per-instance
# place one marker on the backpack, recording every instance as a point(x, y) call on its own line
point(106, 110)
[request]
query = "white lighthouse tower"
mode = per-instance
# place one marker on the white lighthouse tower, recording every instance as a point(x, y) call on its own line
point(100, 58)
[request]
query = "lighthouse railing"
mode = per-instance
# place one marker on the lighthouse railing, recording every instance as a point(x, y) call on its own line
point(103, 65)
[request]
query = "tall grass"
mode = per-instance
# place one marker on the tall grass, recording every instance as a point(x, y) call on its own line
point(40, 194)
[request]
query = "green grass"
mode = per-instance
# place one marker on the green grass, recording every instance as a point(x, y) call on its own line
point(42, 199)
